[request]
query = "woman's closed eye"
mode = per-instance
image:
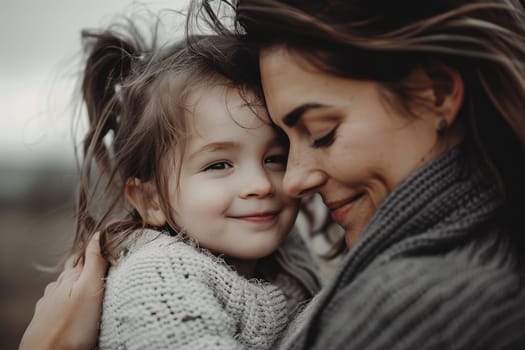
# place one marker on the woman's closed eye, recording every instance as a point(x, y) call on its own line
point(218, 166)
point(325, 140)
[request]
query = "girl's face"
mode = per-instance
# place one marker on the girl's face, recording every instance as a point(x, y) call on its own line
point(230, 196)
point(346, 143)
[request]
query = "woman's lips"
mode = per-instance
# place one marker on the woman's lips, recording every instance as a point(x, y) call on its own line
point(339, 210)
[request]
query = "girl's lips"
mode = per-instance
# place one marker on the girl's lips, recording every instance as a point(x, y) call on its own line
point(257, 218)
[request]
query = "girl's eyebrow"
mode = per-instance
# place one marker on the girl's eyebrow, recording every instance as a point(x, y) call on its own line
point(214, 147)
point(293, 117)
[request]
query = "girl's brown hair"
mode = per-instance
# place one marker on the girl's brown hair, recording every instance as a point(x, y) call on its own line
point(384, 41)
point(136, 98)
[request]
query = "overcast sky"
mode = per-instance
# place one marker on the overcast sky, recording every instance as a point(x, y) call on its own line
point(39, 55)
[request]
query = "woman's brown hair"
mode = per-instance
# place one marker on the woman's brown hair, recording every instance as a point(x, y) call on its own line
point(384, 41)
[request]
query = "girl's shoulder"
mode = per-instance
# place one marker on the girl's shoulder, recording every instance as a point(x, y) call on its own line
point(150, 251)
point(169, 286)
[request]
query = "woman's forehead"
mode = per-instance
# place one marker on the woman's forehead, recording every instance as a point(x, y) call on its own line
point(290, 83)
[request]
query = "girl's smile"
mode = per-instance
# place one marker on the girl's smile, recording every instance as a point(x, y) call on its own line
point(263, 221)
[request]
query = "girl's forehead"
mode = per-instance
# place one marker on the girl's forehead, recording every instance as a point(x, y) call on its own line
point(214, 106)
point(222, 119)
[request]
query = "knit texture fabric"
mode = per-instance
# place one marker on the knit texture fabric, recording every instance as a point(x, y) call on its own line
point(166, 293)
point(425, 274)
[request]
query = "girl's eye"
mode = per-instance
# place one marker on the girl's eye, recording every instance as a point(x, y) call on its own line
point(276, 162)
point(325, 140)
point(218, 166)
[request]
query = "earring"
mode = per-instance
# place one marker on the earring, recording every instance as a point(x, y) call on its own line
point(442, 125)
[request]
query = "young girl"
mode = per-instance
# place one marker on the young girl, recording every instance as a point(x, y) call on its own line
point(192, 173)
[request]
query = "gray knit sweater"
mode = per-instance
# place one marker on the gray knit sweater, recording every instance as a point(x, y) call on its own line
point(423, 274)
point(165, 293)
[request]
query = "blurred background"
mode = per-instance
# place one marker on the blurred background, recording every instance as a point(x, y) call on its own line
point(39, 65)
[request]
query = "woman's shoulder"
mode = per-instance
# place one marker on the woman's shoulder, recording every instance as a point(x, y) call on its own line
point(445, 298)
point(444, 279)
point(461, 269)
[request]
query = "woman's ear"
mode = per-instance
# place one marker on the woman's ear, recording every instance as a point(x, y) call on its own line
point(448, 92)
point(144, 198)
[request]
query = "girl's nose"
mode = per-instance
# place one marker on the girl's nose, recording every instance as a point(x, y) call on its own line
point(257, 184)
point(302, 178)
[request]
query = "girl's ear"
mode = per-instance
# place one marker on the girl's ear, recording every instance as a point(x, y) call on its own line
point(143, 197)
point(448, 92)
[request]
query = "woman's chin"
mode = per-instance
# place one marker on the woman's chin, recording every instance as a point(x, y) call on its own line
point(351, 236)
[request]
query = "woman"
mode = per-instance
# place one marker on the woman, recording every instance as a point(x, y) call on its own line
point(407, 119)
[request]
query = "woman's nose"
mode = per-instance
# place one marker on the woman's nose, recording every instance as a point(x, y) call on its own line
point(257, 184)
point(302, 177)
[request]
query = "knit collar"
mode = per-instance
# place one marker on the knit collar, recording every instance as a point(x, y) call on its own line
point(434, 209)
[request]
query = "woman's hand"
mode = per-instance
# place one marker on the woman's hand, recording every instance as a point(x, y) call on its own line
point(68, 315)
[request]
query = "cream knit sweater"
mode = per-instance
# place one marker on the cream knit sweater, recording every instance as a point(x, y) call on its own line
point(165, 293)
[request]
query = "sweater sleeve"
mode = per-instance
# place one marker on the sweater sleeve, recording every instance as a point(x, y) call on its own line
point(413, 305)
point(157, 299)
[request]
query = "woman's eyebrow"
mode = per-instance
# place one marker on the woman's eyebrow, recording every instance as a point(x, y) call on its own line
point(293, 117)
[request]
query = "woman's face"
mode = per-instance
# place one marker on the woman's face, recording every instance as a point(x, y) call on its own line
point(346, 142)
